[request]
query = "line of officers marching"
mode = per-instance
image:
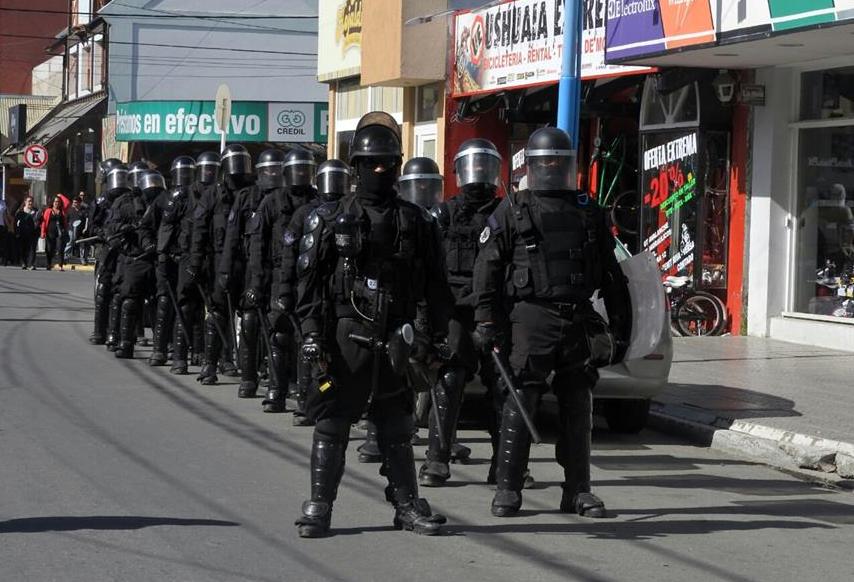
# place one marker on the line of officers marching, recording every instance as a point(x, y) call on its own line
point(355, 298)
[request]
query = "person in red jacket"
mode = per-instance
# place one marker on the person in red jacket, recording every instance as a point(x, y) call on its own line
point(54, 230)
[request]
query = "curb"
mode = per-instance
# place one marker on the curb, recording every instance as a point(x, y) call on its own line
point(811, 458)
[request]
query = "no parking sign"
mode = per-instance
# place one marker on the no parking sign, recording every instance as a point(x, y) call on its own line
point(35, 156)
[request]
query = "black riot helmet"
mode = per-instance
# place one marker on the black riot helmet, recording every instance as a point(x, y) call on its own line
point(135, 171)
point(117, 180)
point(104, 168)
point(333, 180)
point(420, 182)
point(269, 169)
point(236, 160)
point(151, 183)
point(183, 171)
point(550, 160)
point(207, 168)
point(477, 165)
point(299, 168)
point(375, 152)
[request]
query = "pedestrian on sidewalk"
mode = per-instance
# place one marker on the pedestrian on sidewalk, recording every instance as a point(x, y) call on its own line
point(54, 229)
point(27, 233)
point(74, 221)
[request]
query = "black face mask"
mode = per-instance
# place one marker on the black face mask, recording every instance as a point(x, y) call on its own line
point(302, 191)
point(151, 194)
point(479, 193)
point(238, 181)
point(378, 183)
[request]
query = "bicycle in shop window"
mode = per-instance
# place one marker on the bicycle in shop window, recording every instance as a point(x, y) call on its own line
point(612, 169)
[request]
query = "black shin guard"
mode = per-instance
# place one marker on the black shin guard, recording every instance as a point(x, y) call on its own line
point(248, 353)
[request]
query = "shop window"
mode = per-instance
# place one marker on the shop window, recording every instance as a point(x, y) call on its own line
point(679, 108)
point(98, 63)
point(71, 74)
point(827, 94)
point(428, 103)
point(824, 275)
point(388, 99)
point(351, 100)
point(85, 73)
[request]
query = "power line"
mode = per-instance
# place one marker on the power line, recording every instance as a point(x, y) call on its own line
point(167, 14)
point(186, 46)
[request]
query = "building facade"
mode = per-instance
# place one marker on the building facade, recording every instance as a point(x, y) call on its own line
point(785, 65)
point(165, 73)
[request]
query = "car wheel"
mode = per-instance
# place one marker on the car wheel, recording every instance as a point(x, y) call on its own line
point(422, 409)
point(626, 416)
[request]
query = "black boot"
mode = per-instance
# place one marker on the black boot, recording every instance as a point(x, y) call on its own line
point(274, 401)
point(248, 353)
point(573, 451)
point(369, 451)
point(226, 363)
point(129, 317)
point(435, 470)
point(410, 512)
point(511, 460)
point(115, 322)
point(327, 467)
point(164, 318)
point(198, 358)
point(213, 346)
point(102, 314)
point(140, 324)
point(179, 346)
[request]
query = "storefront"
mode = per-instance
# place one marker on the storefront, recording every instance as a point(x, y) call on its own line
point(503, 86)
point(786, 71)
point(159, 131)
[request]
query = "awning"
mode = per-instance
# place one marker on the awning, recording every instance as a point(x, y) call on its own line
point(62, 117)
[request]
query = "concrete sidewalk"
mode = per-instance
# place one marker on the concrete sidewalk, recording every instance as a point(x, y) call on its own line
point(788, 405)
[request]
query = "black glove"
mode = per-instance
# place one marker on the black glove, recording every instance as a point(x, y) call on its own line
point(486, 336)
point(252, 297)
point(421, 348)
point(192, 273)
point(312, 349)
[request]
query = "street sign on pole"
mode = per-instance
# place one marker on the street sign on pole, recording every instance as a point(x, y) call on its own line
point(222, 112)
point(35, 174)
point(35, 156)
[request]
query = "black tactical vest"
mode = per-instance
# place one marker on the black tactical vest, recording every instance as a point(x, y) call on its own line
point(555, 257)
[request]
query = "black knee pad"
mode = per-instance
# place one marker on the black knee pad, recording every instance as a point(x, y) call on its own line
point(332, 429)
point(280, 340)
point(395, 428)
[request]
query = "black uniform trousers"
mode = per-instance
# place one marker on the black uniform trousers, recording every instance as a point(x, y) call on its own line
point(550, 338)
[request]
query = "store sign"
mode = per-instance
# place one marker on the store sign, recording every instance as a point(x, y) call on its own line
point(251, 121)
point(670, 200)
point(35, 174)
point(339, 33)
point(518, 44)
point(639, 28)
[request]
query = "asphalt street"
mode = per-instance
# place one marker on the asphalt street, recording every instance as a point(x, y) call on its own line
point(112, 470)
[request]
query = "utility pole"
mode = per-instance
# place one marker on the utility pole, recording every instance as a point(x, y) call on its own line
point(569, 88)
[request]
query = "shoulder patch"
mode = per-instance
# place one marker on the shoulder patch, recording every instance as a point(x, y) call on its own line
point(484, 235)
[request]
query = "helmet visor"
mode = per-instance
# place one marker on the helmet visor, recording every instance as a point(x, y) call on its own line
point(183, 174)
point(206, 172)
point(478, 166)
point(551, 172)
point(333, 182)
point(299, 172)
point(270, 175)
point(235, 163)
point(117, 179)
point(134, 176)
point(425, 190)
point(152, 181)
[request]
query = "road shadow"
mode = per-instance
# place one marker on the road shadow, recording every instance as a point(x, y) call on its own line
point(763, 487)
point(635, 530)
point(728, 401)
point(101, 522)
point(822, 510)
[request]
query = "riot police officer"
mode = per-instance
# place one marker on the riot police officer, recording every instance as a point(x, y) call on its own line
point(333, 182)
point(287, 182)
point(210, 221)
point(136, 249)
point(106, 258)
point(365, 263)
point(231, 276)
point(164, 220)
point(190, 302)
point(544, 252)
